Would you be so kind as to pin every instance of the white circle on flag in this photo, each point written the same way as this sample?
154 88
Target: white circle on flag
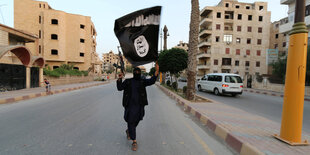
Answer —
142 46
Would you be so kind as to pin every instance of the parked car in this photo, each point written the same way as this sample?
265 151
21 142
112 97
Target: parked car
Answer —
182 79
221 83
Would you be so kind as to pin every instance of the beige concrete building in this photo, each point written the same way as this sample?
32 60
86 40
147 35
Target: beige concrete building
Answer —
182 45
110 58
64 38
234 37
20 67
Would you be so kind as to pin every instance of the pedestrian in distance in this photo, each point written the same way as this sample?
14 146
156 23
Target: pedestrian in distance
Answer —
134 100
47 86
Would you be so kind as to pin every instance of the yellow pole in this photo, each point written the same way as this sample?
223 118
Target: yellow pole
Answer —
292 112
161 77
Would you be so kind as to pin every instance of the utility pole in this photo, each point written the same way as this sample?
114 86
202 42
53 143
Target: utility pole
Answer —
292 112
165 37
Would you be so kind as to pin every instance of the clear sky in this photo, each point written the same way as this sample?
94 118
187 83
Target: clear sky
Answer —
175 14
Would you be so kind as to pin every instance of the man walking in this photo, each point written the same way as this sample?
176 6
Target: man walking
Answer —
134 100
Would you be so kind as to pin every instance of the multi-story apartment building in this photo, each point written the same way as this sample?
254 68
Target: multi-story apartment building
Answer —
110 58
234 37
182 45
286 24
64 38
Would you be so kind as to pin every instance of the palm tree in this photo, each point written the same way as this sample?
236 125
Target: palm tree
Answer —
193 50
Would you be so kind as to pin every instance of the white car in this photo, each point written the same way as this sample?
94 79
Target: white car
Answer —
221 83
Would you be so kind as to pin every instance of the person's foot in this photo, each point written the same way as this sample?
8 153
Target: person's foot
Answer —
134 146
127 133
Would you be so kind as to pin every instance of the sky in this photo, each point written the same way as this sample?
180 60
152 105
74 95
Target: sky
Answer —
175 15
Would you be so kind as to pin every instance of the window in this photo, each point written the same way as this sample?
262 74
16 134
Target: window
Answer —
227 50
237 51
238 40
77 68
237 6
40 19
260 30
248 41
218 15
40 5
239 28
237 63
216 62
284 44
82 40
307 10
239 16
217 38
227 5
259 41
249 29
258 52
247 63
81 54
218 26
275 46
261 7
54 37
54 21
250 17
54 52
248 52
260 18
39 33
257 64
227 38
82 26
39 49
284 34
55 67
277 36
247 7
226 62
43 5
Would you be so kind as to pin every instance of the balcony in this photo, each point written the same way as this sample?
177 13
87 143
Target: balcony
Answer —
205 21
206 54
204 66
205 32
287 1
204 44
205 12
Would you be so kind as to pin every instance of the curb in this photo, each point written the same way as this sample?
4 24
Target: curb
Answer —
269 93
220 131
35 95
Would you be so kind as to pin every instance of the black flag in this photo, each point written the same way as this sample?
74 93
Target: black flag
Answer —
137 33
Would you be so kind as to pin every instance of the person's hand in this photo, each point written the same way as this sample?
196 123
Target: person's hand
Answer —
120 75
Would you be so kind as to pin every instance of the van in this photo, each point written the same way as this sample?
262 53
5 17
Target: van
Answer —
221 83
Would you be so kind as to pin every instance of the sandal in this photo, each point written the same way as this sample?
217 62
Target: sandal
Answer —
134 146
127 133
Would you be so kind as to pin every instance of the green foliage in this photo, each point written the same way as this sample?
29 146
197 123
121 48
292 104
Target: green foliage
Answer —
184 89
175 85
63 70
279 69
168 83
173 60
152 71
129 69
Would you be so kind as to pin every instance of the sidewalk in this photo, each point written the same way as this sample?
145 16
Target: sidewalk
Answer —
24 94
268 92
246 133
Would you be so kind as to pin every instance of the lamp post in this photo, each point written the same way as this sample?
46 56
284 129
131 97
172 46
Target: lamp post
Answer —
292 112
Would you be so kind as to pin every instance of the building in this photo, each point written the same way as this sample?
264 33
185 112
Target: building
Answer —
182 45
64 38
110 58
234 37
20 67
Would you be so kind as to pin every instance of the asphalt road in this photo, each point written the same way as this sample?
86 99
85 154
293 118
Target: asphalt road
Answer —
264 105
90 122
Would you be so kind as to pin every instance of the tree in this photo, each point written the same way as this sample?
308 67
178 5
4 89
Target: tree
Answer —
152 71
173 61
193 50
279 69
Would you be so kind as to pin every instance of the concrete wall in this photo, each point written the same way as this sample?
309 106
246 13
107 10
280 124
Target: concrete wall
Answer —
68 79
266 85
